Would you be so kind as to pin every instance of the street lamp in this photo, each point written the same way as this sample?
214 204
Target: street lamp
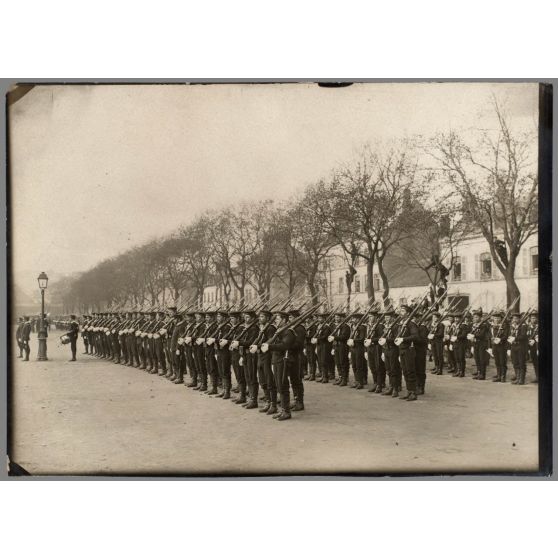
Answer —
42 337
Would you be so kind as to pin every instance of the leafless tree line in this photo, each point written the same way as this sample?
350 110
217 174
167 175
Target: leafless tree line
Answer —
420 197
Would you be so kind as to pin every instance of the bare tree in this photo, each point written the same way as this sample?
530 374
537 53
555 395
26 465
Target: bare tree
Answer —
498 183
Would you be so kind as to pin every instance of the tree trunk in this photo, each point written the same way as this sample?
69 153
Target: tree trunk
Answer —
385 281
312 289
370 280
512 291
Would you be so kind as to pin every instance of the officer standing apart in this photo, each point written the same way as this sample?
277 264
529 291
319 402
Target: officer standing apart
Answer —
73 335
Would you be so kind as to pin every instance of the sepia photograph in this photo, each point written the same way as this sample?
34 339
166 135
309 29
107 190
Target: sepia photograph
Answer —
279 279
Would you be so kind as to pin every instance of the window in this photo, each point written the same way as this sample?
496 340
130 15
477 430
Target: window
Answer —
340 285
486 266
457 269
534 259
357 283
376 281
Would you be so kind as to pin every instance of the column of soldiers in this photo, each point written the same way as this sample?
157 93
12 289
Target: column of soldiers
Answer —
270 351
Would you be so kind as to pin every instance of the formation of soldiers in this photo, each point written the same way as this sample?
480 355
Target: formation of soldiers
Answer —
272 348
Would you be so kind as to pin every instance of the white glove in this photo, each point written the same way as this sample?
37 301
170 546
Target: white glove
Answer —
333 351
188 340
450 347
304 351
446 337
366 357
241 361
107 333
234 344
398 341
210 340
314 340
382 341
138 333
199 340
531 342
150 336
350 342
496 340
144 335
429 347
177 352
511 339
180 341
156 336
470 336
331 338
162 331
431 336
253 349
383 357
222 343
121 333
537 338
508 352
453 338
264 347
367 342
490 352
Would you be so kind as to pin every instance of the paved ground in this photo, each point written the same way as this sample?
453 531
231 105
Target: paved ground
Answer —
92 416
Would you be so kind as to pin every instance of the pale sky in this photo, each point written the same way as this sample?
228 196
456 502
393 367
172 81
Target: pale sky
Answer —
99 169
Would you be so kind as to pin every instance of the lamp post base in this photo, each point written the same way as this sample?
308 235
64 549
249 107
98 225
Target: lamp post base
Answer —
42 355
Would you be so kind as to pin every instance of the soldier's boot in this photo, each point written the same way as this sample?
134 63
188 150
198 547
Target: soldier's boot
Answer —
285 406
272 409
388 391
226 388
420 389
412 396
498 377
265 408
179 378
265 396
373 388
503 376
396 389
337 381
325 378
521 381
252 403
299 404
241 399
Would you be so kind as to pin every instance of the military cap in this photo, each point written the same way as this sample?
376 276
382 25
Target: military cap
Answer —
282 313
172 308
25 317
357 315
498 314
534 313
250 312
235 314
516 315
265 312
406 307
455 314
437 314
477 312
209 313
341 314
374 312
294 312
223 312
389 312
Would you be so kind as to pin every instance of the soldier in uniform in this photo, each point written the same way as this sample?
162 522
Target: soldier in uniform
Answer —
421 345
297 384
391 353
223 354
533 343
339 337
237 330
407 335
73 335
436 343
265 373
285 363
448 345
498 336
248 360
374 352
324 347
479 337
18 336
518 346
26 336
310 349
355 343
